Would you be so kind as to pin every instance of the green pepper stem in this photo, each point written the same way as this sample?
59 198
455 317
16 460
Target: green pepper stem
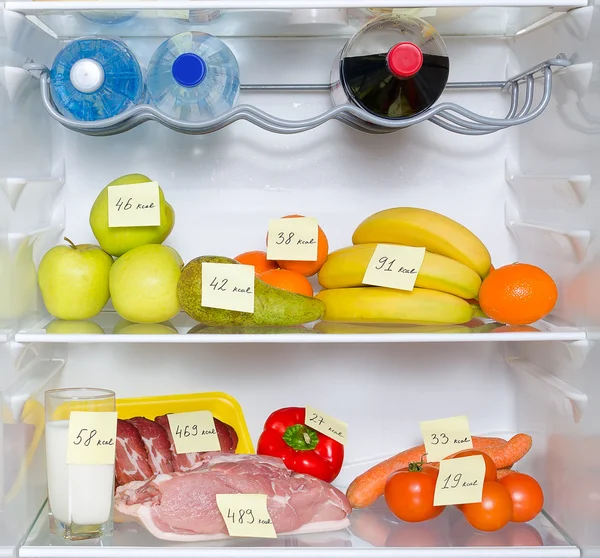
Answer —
301 437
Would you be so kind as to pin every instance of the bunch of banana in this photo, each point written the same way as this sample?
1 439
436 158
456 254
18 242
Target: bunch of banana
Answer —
455 263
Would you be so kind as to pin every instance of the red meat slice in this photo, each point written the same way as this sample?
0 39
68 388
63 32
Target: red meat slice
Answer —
157 442
131 463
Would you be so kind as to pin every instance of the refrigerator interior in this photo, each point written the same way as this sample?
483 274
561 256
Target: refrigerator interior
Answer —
528 192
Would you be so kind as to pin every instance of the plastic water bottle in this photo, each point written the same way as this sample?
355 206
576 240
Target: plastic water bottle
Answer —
94 78
193 77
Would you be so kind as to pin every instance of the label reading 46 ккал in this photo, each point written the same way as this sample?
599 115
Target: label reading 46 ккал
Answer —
246 515
228 286
92 438
134 205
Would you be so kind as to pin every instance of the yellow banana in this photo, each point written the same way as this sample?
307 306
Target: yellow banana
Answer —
382 305
421 227
346 268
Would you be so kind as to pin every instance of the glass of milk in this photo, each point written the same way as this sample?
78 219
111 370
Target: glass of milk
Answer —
80 496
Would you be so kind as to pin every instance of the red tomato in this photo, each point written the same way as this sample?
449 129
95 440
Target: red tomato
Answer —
491 473
409 493
526 495
493 512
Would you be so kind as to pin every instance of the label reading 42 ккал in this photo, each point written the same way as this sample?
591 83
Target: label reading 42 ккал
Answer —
460 481
443 437
293 239
326 424
246 515
92 438
228 286
194 431
395 267
134 205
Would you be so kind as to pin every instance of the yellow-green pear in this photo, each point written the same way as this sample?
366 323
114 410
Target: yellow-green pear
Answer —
118 240
74 280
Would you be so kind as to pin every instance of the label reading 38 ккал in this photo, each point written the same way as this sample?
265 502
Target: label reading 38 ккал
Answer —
293 239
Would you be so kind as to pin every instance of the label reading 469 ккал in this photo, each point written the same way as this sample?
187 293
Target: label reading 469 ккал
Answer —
193 432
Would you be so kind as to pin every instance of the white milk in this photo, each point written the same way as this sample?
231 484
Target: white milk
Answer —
79 494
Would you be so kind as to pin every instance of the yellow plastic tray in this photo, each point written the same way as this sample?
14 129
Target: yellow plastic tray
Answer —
221 405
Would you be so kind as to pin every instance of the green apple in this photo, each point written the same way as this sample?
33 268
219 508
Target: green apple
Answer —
125 327
143 284
73 326
118 240
74 280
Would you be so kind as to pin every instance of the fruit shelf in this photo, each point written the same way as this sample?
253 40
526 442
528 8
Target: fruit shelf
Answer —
108 327
449 116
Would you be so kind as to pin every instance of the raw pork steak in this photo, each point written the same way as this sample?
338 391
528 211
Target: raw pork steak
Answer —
183 506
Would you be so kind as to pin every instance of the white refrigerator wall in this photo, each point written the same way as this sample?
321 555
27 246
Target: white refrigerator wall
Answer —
226 185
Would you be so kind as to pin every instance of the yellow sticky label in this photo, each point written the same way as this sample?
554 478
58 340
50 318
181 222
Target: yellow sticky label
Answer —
394 266
228 286
246 515
460 481
92 438
293 239
134 205
326 424
194 431
443 437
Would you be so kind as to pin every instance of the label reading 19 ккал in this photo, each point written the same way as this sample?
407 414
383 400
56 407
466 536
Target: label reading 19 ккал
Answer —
395 267
134 205
326 424
228 286
92 438
293 239
246 515
460 481
443 437
194 431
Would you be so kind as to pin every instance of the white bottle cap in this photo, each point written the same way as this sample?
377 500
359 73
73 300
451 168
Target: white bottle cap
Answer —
87 75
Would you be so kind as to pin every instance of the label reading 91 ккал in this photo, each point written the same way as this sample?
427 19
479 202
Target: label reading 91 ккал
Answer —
228 286
134 205
326 424
395 267
460 481
443 437
246 515
194 431
92 438
293 239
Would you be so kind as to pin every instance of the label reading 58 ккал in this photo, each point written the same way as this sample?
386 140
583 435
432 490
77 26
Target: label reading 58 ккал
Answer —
134 205
443 437
246 515
228 286
326 424
293 239
395 267
92 438
194 431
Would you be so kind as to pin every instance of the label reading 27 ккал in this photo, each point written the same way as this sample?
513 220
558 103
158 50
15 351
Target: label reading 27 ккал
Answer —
228 286
194 431
293 239
444 437
460 481
246 515
134 205
92 438
326 424
395 267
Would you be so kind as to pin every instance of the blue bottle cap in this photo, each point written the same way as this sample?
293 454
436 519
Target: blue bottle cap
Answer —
188 69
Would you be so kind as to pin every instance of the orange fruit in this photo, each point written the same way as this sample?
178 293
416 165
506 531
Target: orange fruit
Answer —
288 281
518 294
308 268
258 259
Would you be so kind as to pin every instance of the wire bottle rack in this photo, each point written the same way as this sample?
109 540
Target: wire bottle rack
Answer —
450 116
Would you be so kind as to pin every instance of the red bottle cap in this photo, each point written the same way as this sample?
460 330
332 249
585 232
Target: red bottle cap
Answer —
405 59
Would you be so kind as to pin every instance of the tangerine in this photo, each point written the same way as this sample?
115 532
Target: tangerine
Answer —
307 269
288 281
258 259
518 294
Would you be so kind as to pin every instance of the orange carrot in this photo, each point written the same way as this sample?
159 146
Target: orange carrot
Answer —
504 472
508 454
369 486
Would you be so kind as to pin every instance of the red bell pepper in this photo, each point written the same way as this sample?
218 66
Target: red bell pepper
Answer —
301 448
